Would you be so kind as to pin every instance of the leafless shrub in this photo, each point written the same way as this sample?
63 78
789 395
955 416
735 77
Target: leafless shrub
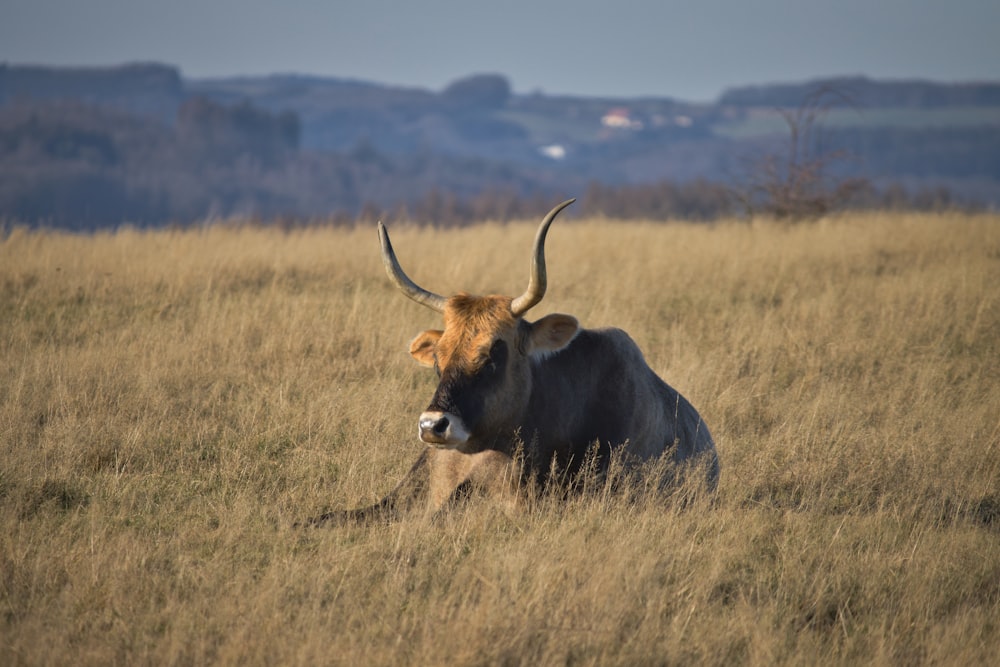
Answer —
797 184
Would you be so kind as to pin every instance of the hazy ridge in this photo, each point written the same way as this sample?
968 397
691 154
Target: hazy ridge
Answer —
140 143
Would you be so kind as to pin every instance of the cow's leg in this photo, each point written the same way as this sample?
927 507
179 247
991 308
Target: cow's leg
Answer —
410 490
439 476
490 471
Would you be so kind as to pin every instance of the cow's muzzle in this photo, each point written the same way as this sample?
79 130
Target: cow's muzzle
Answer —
442 429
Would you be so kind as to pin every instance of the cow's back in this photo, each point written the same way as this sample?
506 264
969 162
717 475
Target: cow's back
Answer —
600 389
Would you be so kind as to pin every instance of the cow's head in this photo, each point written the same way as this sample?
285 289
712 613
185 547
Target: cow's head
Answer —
484 353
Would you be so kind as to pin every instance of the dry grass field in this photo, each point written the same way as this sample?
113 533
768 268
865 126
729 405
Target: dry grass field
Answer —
172 402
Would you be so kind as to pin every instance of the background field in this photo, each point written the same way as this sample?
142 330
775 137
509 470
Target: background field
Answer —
171 402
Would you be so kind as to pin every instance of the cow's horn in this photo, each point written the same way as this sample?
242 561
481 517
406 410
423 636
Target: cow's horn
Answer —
401 280
537 281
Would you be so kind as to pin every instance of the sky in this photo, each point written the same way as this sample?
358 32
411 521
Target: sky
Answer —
618 48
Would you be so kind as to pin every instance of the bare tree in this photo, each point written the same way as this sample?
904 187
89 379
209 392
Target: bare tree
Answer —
796 184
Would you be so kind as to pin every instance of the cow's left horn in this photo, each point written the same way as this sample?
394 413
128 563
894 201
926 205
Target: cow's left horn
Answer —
401 280
537 281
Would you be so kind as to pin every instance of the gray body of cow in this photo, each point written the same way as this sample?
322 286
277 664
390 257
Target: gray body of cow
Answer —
599 391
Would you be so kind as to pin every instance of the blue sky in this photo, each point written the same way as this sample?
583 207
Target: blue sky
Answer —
689 50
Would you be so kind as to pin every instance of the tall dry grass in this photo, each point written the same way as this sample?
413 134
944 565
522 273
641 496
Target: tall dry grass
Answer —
171 402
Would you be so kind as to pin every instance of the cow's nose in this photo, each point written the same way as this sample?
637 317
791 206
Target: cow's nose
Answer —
442 428
436 426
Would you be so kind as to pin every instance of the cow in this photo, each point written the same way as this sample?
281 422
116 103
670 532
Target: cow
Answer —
528 402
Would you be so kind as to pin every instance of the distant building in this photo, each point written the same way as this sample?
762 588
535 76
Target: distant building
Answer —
553 151
620 118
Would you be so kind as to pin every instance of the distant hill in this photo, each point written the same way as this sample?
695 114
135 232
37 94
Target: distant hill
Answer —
145 89
868 93
92 146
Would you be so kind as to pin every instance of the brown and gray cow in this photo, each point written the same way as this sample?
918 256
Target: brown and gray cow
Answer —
520 400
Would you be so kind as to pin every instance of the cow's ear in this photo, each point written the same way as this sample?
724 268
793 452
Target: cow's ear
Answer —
552 333
422 347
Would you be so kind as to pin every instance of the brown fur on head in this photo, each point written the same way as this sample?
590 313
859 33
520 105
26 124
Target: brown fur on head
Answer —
473 323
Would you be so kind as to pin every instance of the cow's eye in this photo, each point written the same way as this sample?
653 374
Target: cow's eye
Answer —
437 369
486 364
498 354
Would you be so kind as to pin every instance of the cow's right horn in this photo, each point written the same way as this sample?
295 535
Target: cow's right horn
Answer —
401 280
